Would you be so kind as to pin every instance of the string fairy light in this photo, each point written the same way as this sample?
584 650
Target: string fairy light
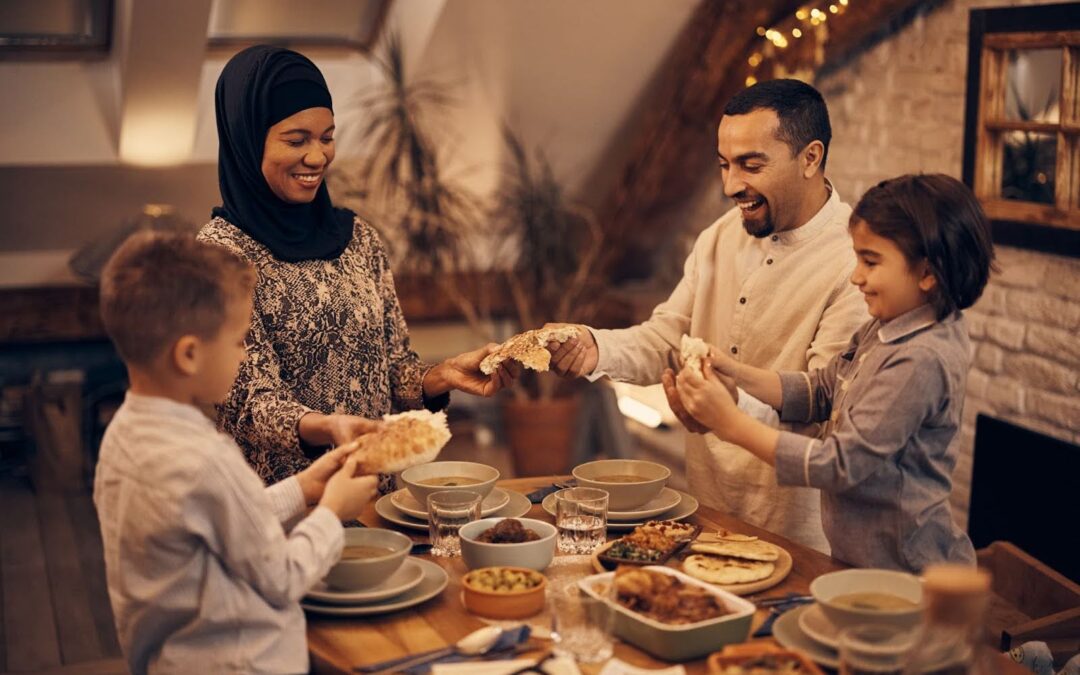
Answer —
810 21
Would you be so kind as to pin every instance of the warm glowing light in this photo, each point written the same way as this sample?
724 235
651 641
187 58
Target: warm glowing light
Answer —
801 15
815 12
761 31
843 3
834 9
1041 178
751 80
755 59
639 412
795 32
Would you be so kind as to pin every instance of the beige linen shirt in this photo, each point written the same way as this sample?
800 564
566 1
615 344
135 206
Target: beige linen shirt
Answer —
202 574
784 303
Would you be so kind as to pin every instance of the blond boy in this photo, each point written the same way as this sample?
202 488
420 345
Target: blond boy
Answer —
203 569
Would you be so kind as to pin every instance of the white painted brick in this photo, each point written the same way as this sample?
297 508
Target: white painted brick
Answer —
1006 332
976 323
1040 307
1020 271
1062 411
1043 372
1063 278
1006 395
989 358
992 301
978 383
1040 426
1054 343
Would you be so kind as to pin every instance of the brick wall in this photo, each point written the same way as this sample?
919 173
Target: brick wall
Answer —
898 108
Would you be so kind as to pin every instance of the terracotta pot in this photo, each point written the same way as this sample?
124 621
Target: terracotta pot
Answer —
541 434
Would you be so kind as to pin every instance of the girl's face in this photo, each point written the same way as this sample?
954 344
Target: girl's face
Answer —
297 153
889 284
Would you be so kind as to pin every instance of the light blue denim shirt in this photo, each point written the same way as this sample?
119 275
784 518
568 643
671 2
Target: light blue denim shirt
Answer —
891 404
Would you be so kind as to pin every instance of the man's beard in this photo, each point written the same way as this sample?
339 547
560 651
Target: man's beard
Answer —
760 227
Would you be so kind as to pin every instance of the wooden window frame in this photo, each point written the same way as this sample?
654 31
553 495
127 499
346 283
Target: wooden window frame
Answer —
992 33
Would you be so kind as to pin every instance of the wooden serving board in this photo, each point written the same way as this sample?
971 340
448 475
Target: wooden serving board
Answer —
783 565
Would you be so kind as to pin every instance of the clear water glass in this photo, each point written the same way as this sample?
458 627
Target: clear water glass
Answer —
581 625
448 510
871 649
581 519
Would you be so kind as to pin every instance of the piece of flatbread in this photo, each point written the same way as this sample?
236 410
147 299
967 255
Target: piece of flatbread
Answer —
529 348
693 351
724 570
747 550
402 440
724 535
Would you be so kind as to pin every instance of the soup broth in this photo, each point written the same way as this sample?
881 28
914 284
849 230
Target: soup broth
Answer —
621 478
873 601
449 481
362 552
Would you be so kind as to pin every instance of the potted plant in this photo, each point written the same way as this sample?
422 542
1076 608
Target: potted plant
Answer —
552 246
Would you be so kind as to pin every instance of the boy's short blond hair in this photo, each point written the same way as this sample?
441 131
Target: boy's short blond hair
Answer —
158 287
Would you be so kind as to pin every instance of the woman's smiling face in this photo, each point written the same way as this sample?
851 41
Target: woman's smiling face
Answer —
297 152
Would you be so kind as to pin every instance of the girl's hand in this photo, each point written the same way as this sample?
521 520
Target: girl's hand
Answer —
347 494
707 397
722 362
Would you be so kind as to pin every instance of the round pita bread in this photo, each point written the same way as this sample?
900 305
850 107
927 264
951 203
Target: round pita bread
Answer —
747 550
402 440
723 570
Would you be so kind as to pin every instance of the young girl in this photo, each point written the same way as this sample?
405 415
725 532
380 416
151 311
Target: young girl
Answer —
891 401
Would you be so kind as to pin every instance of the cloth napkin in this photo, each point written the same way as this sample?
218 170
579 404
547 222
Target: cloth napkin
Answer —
537 495
794 600
502 649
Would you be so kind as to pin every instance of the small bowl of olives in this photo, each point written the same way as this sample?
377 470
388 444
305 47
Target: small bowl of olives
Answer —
504 592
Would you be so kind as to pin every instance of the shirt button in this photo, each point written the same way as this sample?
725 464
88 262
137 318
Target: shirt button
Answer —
734 350
742 301
776 237
768 261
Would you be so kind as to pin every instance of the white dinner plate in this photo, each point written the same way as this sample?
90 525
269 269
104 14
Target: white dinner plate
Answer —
687 506
405 578
817 626
665 501
407 504
517 506
787 632
433 582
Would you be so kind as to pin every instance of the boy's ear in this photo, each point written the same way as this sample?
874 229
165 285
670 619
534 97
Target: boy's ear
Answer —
927 280
811 158
186 354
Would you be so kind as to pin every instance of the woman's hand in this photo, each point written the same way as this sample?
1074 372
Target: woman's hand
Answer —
707 397
347 494
463 373
317 429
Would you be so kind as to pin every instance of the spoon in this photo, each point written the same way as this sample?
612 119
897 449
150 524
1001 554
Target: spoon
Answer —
474 644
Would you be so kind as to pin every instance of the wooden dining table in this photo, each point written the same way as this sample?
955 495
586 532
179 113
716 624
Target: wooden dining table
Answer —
337 645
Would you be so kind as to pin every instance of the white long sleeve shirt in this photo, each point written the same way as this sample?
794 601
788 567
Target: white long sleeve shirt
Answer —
784 303
202 574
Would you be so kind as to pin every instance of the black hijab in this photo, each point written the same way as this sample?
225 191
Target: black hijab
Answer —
258 88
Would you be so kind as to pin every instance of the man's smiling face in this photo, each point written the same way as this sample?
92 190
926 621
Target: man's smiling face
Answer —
760 172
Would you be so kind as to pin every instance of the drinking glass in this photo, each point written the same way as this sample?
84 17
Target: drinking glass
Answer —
581 625
581 519
448 510
872 649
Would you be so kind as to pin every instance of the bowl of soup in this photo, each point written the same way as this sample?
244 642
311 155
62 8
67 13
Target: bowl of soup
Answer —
423 479
630 483
861 596
369 557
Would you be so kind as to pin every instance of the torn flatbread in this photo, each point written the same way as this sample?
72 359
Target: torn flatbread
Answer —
693 351
401 441
528 348
747 550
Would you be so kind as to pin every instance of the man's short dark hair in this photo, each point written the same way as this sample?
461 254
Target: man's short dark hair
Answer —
804 118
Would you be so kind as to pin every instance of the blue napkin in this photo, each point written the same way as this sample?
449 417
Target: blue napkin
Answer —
537 495
504 648
794 600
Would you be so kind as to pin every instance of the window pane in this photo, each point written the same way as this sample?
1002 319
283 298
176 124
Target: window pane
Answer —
1033 85
1027 170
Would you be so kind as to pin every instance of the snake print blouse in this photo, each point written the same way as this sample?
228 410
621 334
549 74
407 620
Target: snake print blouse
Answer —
326 336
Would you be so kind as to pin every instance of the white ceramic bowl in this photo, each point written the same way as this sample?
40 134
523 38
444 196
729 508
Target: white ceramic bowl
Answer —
534 555
829 586
624 496
678 642
360 573
414 478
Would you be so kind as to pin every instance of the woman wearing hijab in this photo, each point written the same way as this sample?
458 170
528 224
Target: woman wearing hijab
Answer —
328 347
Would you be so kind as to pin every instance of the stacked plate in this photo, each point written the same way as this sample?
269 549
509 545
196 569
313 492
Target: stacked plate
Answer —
670 504
401 508
414 582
